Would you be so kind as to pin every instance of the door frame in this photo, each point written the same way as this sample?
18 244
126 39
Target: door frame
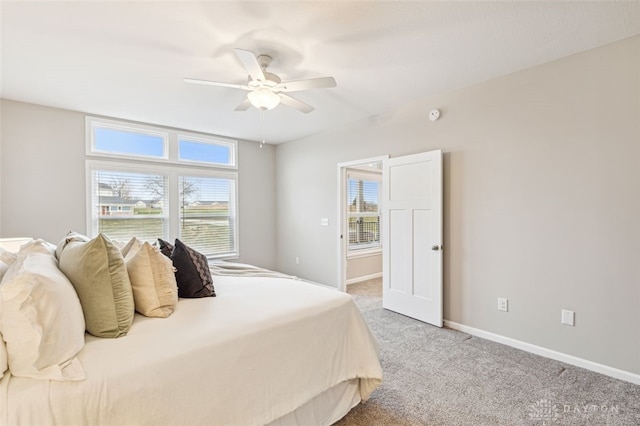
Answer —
342 216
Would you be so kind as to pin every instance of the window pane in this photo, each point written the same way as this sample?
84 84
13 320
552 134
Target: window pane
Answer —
130 204
207 214
117 141
363 214
204 152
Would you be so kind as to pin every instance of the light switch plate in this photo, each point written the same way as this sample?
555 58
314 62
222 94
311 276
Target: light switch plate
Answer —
568 317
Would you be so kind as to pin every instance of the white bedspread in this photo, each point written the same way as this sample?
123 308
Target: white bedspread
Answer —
257 351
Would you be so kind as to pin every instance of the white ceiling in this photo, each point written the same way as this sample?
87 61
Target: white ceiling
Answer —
128 59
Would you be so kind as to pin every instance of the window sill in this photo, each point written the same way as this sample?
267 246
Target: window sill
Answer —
364 253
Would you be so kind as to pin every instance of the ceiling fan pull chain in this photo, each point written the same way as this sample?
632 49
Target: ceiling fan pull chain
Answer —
261 128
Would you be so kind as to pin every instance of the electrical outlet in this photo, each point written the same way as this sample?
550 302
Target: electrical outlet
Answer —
503 304
297 260
568 317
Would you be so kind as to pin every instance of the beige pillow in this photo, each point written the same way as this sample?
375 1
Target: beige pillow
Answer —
41 320
97 271
153 281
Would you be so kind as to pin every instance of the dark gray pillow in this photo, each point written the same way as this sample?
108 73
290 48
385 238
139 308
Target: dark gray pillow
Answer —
165 247
192 272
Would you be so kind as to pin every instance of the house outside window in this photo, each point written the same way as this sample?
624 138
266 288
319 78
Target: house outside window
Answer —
156 186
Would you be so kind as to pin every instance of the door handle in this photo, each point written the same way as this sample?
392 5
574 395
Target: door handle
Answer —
435 248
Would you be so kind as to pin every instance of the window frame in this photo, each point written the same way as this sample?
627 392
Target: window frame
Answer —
171 139
171 166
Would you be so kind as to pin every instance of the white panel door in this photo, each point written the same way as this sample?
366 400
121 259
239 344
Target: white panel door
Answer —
412 236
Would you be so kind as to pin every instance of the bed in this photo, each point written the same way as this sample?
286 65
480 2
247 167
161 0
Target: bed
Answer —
267 350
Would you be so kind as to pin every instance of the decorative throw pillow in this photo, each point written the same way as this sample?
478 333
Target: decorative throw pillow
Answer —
166 247
153 281
41 320
97 271
192 272
71 236
133 243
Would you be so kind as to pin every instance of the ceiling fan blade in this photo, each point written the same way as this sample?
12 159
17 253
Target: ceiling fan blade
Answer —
312 83
244 105
216 83
294 103
251 64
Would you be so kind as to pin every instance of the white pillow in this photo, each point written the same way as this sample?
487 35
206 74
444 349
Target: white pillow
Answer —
7 256
3 268
6 259
38 246
41 319
153 281
13 244
3 357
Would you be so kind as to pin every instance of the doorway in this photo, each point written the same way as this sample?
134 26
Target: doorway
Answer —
410 231
359 219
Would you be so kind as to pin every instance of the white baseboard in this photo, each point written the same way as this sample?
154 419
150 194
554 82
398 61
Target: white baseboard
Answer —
364 278
547 353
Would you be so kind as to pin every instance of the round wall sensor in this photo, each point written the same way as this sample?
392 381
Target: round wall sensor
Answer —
434 114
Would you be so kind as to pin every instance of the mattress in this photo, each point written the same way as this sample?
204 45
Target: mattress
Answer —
253 355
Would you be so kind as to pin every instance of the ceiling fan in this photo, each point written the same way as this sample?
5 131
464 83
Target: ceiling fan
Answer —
266 90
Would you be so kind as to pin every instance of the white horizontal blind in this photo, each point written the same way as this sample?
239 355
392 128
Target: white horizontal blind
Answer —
208 214
363 210
127 204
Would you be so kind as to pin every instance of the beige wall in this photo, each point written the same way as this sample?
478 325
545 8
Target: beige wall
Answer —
42 180
542 200
364 267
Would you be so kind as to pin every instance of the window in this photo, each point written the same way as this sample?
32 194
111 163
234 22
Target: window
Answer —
202 151
114 139
363 211
207 216
127 204
144 190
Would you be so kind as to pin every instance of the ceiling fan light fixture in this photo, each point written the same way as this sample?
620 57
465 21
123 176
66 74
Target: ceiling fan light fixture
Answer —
263 99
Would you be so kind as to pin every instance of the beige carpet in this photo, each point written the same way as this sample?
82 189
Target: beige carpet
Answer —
436 376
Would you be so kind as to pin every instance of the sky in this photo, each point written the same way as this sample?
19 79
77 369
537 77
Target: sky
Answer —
123 142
